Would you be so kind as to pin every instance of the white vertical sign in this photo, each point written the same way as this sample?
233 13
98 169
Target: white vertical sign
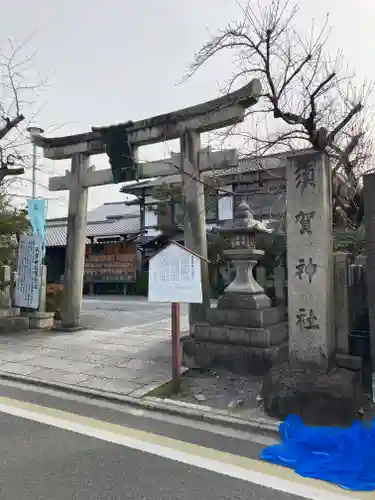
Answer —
28 272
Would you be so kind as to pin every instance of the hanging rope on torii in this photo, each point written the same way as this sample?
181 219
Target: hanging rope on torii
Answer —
121 142
120 152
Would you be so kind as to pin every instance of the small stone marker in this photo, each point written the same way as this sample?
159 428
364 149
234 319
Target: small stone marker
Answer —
310 265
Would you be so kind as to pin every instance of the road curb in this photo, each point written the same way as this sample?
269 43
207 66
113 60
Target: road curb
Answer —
170 407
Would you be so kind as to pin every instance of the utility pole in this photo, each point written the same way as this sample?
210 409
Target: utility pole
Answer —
34 132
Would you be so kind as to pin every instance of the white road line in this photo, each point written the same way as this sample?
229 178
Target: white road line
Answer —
226 469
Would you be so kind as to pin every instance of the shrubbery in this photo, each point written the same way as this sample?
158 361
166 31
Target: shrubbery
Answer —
54 298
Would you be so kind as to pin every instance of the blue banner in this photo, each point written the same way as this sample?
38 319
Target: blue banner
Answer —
37 214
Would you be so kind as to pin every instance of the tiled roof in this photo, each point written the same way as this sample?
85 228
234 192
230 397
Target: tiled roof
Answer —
110 219
56 234
108 210
127 225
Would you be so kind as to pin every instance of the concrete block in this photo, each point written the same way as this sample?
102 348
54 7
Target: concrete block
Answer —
349 362
14 324
10 311
41 320
5 301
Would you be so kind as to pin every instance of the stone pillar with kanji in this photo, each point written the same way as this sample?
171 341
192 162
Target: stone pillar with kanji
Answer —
310 260
311 384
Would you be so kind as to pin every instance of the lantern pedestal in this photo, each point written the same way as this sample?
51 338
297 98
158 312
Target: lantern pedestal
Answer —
244 334
244 292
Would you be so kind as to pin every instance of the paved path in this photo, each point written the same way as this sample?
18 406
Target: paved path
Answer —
115 313
63 448
126 349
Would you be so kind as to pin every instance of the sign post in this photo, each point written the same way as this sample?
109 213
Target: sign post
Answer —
176 362
175 276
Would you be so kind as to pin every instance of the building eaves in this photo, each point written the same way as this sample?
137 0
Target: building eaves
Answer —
56 234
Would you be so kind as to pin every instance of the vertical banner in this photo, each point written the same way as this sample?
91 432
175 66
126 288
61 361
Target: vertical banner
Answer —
36 210
28 272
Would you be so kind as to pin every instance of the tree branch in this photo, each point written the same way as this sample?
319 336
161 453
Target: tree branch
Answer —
356 109
309 92
5 171
10 124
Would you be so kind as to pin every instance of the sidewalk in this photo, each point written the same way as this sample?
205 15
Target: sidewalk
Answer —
129 361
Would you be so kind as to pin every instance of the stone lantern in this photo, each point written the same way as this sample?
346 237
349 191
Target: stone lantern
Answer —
244 292
244 333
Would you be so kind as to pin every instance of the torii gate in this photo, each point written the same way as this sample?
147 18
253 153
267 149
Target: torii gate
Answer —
186 124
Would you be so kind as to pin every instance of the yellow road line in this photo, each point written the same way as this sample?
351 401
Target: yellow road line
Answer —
68 421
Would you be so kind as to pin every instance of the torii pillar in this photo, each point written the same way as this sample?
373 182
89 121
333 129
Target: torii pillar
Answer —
76 241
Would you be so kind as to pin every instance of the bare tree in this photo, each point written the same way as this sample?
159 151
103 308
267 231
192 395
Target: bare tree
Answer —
19 87
309 96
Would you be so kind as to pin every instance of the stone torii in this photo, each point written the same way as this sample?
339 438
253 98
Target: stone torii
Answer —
185 124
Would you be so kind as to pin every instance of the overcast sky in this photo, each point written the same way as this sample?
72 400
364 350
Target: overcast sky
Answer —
118 60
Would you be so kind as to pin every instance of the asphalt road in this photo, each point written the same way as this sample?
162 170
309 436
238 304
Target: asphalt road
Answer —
56 447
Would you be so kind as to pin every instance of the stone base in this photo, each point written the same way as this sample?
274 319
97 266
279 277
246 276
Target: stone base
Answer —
41 320
14 324
252 337
236 358
59 327
9 312
331 399
237 300
257 318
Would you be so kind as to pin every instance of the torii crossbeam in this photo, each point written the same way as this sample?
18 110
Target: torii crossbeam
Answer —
186 124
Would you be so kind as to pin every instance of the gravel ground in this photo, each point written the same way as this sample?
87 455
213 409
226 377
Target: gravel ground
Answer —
221 389
241 395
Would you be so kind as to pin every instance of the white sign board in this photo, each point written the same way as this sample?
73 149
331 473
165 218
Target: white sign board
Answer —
28 272
175 276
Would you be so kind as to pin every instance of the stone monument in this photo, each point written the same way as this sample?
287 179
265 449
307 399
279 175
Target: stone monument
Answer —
244 333
310 384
